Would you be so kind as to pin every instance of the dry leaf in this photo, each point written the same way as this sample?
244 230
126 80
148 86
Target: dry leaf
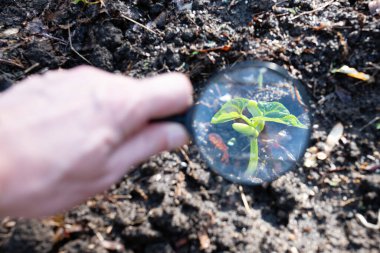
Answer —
352 73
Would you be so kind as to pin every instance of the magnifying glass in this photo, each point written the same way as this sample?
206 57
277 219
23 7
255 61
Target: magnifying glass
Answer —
251 123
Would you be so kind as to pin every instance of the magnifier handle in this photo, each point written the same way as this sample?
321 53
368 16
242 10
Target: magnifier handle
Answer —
184 118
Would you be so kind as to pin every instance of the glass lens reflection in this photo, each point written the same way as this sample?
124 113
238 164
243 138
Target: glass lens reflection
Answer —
279 145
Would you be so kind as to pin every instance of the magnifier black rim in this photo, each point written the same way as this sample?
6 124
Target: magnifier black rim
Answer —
282 72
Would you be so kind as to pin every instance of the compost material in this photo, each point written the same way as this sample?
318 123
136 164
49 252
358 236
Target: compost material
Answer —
173 202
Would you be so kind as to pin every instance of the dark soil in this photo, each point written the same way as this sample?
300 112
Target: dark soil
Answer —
173 203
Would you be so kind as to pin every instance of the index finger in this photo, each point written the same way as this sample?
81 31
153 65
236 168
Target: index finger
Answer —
165 95
141 101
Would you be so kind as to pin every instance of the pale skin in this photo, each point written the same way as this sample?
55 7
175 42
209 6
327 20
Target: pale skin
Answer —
70 134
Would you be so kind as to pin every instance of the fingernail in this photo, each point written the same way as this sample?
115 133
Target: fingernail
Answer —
177 136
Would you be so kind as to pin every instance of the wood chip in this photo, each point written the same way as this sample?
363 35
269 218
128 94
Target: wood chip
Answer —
109 245
9 32
334 136
204 241
244 199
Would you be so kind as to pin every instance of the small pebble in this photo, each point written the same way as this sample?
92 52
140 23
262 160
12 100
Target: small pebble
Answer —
313 150
310 160
292 237
321 156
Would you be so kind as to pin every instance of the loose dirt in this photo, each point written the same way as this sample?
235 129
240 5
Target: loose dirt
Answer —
173 202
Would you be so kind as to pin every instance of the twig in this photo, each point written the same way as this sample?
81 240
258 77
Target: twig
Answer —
366 224
224 48
74 50
244 199
52 37
370 123
312 11
35 65
375 65
233 2
348 202
99 236
139 24
12 63
187 158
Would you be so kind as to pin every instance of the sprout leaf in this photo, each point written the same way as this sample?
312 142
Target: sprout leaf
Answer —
289 120
273 109
254 109
277 112
231 110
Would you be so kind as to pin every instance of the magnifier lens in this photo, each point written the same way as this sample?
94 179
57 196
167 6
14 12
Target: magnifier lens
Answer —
252 123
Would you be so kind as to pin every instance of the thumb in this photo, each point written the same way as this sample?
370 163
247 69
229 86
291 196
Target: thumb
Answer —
165 95
149 98
151 140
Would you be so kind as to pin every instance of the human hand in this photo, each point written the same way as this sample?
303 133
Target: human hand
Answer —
70 134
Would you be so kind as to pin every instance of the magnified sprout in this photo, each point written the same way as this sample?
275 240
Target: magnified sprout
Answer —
252 123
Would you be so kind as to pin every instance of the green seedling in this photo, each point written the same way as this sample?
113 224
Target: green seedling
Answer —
261 112
260 78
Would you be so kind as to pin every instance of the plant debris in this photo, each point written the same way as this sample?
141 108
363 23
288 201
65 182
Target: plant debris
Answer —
352 73
204 241
334 136
366 224
296 213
